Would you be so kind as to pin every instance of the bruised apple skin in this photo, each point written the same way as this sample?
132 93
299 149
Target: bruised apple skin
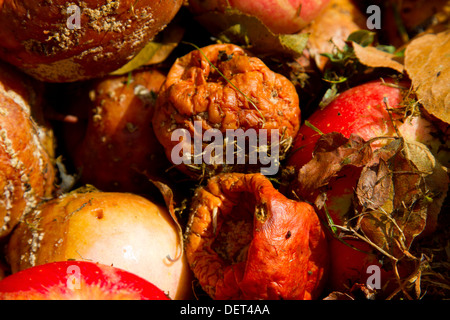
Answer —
118 149
119 229
27 174
77 280
243 95
245 240
280 16
41 37
363 110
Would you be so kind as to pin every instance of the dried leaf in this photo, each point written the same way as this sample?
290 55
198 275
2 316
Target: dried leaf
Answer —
332 27
372 57
336 295
400 194
168 196
155 51
427 62
333 151
233 26
374 186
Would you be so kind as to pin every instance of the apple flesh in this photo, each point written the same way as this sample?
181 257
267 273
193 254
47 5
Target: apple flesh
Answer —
280 16
77 280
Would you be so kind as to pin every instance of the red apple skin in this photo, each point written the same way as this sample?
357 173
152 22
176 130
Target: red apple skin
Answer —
77 280
349 265
358 110
362 110
280 16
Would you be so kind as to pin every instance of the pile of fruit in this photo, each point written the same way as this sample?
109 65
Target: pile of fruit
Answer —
224 150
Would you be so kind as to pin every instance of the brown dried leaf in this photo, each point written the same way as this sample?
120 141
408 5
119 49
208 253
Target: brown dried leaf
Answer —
400 194
427 62
168 196
332 28
374 185
372 57
336 295
333 151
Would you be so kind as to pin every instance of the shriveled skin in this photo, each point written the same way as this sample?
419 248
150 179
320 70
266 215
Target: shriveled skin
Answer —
286 256
35 35
195 91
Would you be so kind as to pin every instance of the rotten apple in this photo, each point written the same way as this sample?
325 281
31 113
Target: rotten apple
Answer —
376 110
60 41
77 280
280 16
245 240
355 263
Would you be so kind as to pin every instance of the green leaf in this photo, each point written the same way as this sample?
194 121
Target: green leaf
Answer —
155 51
140 59
362 37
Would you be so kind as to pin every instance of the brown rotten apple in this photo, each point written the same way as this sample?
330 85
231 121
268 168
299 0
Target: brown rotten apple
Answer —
77 280
43 38
119 229
117 149
245 240
27 174
220 88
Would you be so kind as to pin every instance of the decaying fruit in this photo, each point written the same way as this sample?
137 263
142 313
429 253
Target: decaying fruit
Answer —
119 229
279 16
27 174
118 149
245 240
353 263
62 41
77 280
331 29
222 88
372 110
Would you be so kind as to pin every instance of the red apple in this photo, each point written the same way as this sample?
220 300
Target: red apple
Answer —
280 16
77 280
124 230
363 110
355 262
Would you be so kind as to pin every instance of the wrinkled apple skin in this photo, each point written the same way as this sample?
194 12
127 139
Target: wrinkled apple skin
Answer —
77 280
280 16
